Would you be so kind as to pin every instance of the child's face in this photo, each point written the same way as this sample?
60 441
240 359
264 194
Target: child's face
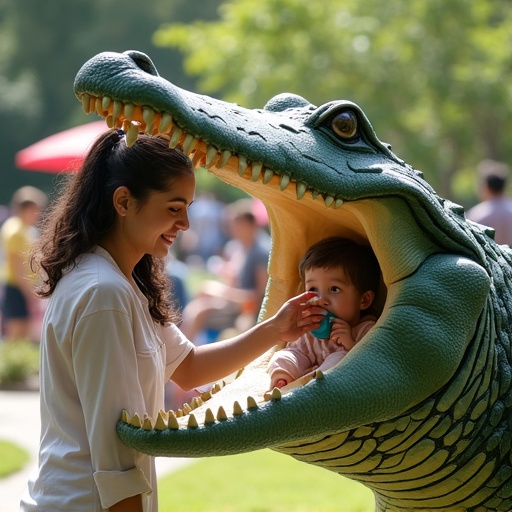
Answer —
337 293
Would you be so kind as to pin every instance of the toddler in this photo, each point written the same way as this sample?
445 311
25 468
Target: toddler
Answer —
345 275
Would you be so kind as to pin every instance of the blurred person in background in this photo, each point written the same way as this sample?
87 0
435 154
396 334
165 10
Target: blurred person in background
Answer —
205 237
235 298
21 309
495 208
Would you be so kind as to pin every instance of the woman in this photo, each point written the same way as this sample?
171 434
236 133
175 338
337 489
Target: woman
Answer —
109 342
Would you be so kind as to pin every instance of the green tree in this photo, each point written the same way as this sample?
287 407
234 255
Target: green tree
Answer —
435 78
43 45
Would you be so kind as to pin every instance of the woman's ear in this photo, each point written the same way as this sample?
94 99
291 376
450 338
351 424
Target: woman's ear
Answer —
121 199
367 299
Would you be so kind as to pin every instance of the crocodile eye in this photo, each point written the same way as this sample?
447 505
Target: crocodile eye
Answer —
344 124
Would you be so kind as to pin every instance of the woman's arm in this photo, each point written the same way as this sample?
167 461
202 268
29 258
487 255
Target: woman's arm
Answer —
131 504
208 363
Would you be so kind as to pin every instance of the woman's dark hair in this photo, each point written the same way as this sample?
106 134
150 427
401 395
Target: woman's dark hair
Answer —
85 213
358 261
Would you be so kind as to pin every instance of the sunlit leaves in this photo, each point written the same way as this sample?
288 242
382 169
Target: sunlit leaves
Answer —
434 77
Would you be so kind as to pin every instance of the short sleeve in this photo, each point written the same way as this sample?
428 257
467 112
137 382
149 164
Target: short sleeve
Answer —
115 486
178 346
362 329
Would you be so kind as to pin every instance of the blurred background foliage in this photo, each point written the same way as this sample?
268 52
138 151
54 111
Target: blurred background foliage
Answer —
44 44
434 78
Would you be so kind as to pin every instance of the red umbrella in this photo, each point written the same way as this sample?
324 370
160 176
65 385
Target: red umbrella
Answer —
63 151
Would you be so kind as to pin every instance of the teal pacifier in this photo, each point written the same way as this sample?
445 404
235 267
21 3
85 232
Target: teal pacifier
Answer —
324 331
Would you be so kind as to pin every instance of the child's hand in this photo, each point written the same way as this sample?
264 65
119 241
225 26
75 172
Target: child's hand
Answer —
341 334
279 383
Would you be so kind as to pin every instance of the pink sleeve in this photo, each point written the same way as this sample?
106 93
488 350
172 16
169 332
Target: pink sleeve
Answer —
362 329
293 359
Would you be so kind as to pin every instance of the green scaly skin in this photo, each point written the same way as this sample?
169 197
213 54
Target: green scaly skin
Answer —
419 411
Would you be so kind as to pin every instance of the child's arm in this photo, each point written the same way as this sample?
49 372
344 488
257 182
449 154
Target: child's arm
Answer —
290 363
211 362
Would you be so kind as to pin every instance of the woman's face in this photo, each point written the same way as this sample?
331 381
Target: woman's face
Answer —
152 227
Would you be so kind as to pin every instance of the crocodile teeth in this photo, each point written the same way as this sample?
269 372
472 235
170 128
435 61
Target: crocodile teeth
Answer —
135 119
173 422
206 396
165 123
256 170
242 165
251 403
148 114
131 134
186 409
285 181
136 421
267 176
216 388
209 418
160 423
301 189
175 137
226 155
319 375
98 107
221 414
237 409
192 421
86 103
146 424
125 416
276 394
196 402
129 109
117 110
105 103
189 144
328 200
211 153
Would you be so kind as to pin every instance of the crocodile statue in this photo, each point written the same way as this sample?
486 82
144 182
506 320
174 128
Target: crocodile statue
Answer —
420 410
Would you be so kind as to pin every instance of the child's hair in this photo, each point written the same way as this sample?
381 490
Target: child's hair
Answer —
357 260
85 212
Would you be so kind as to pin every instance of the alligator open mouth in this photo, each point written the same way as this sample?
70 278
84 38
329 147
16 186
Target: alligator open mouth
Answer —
320 172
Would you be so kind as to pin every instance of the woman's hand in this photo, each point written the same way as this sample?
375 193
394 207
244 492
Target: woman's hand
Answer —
296 317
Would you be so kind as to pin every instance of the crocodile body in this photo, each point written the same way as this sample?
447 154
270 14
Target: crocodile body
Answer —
420 410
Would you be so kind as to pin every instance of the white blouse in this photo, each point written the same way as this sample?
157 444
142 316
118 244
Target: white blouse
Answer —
101 352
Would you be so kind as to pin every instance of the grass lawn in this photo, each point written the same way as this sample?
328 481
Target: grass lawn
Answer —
12 458
262 481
